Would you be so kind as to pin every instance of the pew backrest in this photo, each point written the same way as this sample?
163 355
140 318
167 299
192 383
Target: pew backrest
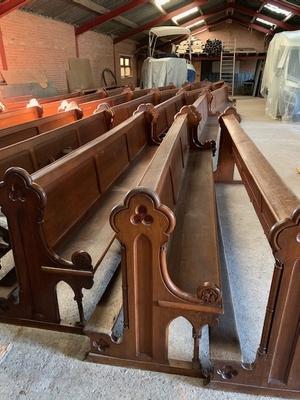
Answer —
20 116
29 129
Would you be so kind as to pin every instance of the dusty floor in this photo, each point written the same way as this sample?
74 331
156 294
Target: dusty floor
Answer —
48 365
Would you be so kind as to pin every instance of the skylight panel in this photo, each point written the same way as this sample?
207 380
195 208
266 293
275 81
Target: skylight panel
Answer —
195 24
263 21
185 14
161 2
277 10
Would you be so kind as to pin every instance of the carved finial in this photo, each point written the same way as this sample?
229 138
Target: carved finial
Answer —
182 90
104 107
82 259
284 227
209 293
194 117
227 372
149 109
230 111
19 188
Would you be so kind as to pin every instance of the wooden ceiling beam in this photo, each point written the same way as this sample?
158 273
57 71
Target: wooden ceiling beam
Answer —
252 13
11 5
159 20
109 15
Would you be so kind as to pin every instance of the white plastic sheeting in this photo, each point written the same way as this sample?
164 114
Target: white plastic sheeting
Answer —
163 71
281 78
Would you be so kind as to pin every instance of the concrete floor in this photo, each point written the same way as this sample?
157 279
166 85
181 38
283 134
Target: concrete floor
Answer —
48 365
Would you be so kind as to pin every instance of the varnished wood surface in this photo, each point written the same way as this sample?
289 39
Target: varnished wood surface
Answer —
281 201
194 248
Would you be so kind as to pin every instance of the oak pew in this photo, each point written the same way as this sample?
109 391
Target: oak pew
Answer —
219 99
276 369
55 106
136 135
29 129
40 150
162 215
19 116
22 103
80 188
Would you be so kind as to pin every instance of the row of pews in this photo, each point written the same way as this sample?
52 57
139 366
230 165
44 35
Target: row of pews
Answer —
119 204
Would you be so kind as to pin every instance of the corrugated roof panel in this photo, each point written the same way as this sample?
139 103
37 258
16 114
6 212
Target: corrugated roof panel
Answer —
61 10
143 14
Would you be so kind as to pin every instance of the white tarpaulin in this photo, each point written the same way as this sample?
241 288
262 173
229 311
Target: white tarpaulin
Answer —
281 79
163 71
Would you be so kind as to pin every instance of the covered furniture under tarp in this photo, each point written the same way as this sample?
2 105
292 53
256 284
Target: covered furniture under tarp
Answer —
163 71
281 79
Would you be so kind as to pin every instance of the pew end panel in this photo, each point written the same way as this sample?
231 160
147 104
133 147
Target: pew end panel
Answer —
23 203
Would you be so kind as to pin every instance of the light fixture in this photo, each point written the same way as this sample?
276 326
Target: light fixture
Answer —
161 2
263 21
195 24
185 14
277 10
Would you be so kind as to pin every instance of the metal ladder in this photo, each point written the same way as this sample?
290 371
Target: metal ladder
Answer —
227 64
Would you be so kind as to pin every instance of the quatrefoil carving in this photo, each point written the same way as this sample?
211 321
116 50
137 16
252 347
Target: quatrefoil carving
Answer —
141 216
16 193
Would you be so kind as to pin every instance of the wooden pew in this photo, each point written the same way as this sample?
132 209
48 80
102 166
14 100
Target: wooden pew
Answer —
29 129
219 99
133 137
168 269
80 187
20 116
53 107
276 370
21 103
40 150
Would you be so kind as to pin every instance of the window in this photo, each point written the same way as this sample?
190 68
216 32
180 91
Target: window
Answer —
126 68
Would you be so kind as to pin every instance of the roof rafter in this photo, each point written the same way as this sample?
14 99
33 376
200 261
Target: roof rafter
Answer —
212 13
11 5
108 16
256 27
159 20
91 6
252 13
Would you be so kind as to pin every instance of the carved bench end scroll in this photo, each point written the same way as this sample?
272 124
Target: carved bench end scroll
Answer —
151 115
230 111
194 118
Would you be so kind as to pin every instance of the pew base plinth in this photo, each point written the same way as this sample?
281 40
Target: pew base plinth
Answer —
250 381
176 367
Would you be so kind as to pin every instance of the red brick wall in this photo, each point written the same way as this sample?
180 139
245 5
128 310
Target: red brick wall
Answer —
35 42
